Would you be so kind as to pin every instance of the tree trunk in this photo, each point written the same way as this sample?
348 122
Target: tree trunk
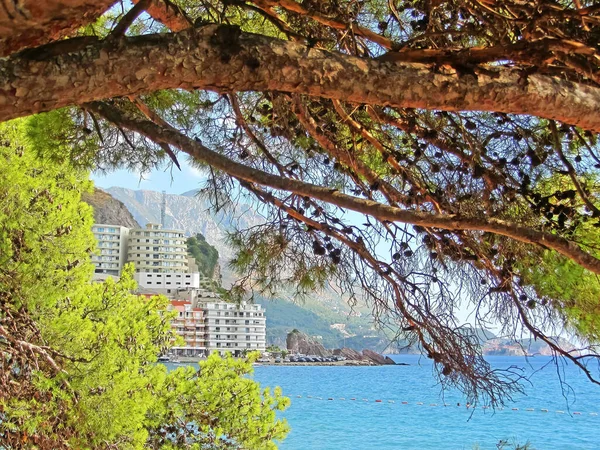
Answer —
30 23
223 59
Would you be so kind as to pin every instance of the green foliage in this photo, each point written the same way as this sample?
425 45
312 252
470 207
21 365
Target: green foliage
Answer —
205 255
227 409
78 359
275 263
573 291
56 136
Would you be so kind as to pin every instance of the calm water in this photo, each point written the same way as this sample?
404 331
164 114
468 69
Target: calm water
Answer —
346 424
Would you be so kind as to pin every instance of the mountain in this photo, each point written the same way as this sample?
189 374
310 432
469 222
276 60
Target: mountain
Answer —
511 347
108 209
283 317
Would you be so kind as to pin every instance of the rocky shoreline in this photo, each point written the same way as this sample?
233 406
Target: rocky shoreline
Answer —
299 343
347 363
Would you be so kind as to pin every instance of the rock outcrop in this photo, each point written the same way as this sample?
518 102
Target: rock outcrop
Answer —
349 353
377 358
298 342
109 210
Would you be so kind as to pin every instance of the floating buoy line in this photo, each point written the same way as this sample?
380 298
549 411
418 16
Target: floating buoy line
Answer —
445 405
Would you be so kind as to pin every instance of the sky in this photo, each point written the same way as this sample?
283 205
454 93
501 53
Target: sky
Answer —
168 179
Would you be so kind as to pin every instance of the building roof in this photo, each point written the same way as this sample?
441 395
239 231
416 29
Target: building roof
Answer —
179 302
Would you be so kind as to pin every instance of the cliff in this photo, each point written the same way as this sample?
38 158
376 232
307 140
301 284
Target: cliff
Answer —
109 210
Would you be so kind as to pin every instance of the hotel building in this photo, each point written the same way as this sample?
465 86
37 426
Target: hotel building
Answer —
154 250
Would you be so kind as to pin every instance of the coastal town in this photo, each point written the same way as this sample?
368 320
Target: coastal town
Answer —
163 267
203 321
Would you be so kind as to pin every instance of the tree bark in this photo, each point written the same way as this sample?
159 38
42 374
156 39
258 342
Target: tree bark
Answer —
30 23
368 207
222 58
168 13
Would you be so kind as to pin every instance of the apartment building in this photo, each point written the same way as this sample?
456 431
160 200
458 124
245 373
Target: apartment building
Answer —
162 266
190 325
207 324
234 328
111 250
162 263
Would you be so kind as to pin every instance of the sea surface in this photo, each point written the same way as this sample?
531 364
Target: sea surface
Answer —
342 423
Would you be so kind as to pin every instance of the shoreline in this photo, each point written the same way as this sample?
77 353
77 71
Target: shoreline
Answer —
345 363
329 363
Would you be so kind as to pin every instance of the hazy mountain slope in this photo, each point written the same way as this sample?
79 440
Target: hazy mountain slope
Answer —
283 317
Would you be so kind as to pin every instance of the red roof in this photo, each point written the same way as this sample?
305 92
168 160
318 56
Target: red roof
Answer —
179 303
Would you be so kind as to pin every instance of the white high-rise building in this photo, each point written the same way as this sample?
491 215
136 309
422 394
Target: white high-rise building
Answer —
155 250
234 328
111 252
161 260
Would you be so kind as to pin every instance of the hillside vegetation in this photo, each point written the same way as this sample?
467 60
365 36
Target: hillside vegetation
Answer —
205 255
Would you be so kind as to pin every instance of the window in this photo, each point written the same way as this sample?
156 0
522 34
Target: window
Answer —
168 282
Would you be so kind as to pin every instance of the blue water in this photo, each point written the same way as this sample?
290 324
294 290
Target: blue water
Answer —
346 424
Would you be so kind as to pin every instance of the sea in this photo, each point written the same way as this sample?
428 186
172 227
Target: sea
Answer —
417 418
402 407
